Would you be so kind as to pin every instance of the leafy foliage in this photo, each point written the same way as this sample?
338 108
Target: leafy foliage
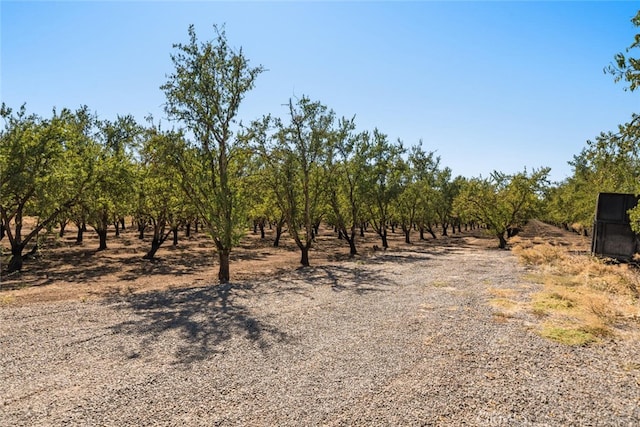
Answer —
382 182
295 156
346 168
418 179
503 202
160 201
627 67
40 171
111 194
204 93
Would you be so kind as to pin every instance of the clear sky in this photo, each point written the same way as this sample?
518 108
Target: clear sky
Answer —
486 85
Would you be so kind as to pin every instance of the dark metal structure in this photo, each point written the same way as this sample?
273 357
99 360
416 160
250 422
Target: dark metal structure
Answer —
612 234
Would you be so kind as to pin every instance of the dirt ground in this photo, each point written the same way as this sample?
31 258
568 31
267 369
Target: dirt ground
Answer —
409 336
63 270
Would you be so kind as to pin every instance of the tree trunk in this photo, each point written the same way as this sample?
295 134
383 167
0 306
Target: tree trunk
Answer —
361 230
433 234
223 273
503 241
141 227
174 230
122 224
352 245
407 231
444 229
187 231
116 224
63 225
304 260
350 238
383 236
421 233
102 234
80 235
155 245
2 230
261 225
15 263
276 241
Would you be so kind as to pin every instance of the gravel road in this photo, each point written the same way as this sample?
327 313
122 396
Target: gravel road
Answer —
402 339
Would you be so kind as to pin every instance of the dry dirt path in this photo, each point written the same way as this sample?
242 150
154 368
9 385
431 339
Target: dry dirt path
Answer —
405 338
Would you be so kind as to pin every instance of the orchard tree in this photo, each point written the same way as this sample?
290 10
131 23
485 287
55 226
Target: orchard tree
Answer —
296 155
446 191
503 202
417 181
112 191
346 167
426 216
42 171
381 184
613 159
262 180
204 93
260 184
160 199
405 206
609 163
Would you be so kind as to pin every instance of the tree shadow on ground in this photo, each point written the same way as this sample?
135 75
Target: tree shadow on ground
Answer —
349 277
398 256
176 263
42 270
198 320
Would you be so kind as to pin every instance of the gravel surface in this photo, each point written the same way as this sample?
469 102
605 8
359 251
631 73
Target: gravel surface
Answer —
404 338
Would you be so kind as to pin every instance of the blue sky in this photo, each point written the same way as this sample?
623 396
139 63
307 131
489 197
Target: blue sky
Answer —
487 85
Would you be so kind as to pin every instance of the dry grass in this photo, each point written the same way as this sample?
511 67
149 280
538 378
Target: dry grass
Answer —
584 299
535 252
440 284
504 305
6 299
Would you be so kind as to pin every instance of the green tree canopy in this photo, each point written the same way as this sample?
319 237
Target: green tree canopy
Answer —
42 170
161 201
626 67
346 168
204 93
502 201
382 182
296 155
111 194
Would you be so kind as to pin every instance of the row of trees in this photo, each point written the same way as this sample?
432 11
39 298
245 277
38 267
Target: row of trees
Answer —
306 167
